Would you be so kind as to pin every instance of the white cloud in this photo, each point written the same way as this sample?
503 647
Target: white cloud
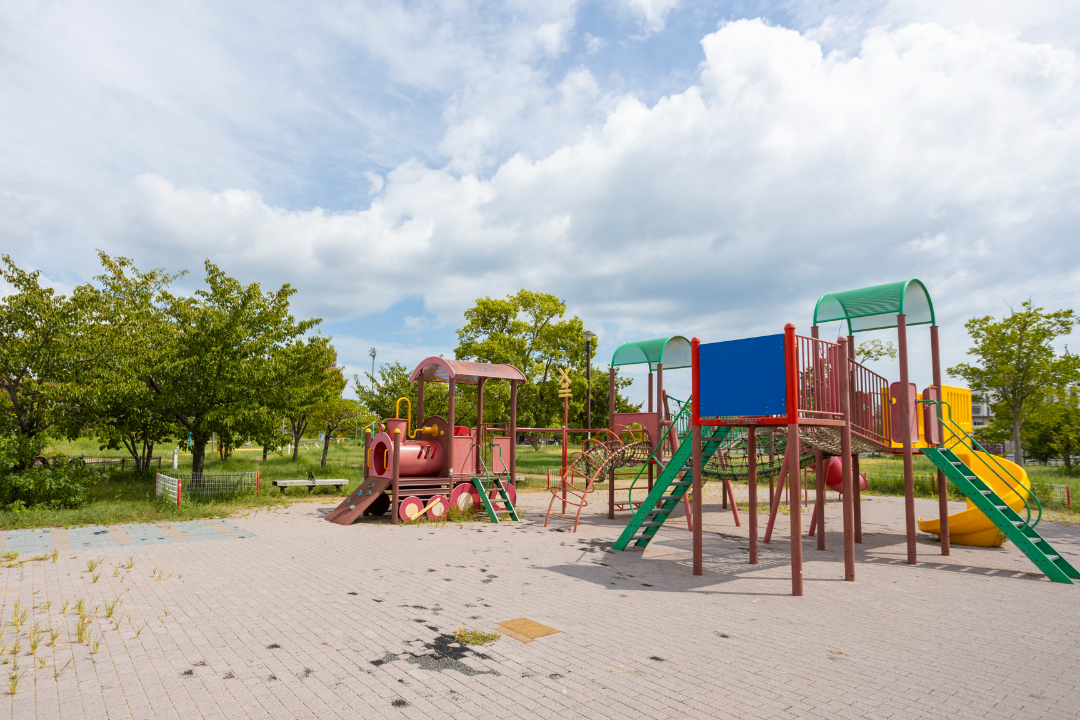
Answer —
651 14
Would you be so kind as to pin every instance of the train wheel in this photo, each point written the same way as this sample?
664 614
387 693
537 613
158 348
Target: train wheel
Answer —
439 508
462 498
410 508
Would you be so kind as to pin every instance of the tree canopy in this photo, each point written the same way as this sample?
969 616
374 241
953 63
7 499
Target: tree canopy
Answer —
1017 367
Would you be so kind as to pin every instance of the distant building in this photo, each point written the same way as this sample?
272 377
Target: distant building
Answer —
980 412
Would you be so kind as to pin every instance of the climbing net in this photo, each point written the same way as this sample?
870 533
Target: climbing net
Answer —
731 461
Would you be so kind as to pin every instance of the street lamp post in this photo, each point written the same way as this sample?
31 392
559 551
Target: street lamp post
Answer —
589 335
371 352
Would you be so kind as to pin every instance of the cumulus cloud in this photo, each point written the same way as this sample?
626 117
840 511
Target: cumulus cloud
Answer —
782 173
791 164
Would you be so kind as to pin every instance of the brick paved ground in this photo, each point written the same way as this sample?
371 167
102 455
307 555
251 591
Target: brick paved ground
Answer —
304 618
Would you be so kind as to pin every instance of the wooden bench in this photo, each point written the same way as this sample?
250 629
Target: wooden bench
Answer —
310 483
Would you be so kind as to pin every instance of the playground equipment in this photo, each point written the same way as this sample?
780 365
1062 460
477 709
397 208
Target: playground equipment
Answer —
599 455
821 398
438 464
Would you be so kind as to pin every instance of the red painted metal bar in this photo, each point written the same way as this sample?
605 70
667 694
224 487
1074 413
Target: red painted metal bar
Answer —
611 422
395 475
795 513
845 460
695 405
695 434
943 487
513 431
819 494
774 501
751 477
856 496
905 435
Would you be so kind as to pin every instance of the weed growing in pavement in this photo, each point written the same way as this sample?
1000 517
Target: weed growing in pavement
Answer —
18 616
475 637
95 645
17 646
34 645
13 679
116 571
130 563
91 565
54 554
41 663
96 576
110 607
139 631
45 606
64 607
80 631
53 634
79 605
9 555
57 673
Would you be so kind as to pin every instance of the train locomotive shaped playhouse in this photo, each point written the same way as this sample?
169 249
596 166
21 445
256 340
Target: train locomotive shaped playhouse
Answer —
798 400
422 471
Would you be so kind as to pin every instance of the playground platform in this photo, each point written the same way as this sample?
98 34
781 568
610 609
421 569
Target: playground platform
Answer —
306 618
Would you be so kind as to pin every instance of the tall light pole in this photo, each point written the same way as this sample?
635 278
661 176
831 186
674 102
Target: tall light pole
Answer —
589 335
371 352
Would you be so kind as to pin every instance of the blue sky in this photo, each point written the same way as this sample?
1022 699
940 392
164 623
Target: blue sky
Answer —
665 166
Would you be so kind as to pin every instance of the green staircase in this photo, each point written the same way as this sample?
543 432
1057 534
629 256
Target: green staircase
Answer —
674 482
496 516
1020 530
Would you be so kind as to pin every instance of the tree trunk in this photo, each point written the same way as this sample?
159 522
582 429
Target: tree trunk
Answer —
325 447
198 454
264 452
1018 453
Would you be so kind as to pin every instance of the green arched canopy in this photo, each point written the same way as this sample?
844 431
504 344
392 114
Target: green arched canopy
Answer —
876 308
673 352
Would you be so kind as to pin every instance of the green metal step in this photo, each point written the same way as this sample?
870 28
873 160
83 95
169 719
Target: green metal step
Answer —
668 490
493 514
1016 528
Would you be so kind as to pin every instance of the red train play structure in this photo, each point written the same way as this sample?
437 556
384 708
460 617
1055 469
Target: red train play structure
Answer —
423 470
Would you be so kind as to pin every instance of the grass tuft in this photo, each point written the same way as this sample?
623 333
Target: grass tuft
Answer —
475 637
110 607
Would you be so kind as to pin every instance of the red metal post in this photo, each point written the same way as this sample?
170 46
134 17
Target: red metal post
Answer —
856 496
451 404
751 477
942 482
819 494
611 424
395 476
905 435
479 422
565 440
845 461
513 432
256 482
179 485
695 434
656 440
420 401
660 411
795 513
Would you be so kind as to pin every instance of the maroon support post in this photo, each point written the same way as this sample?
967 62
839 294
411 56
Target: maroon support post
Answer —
905 435
611 424
513 432
656 440
856 493
751 477
696 439
819 498
450 405
845 460
395 477
479 422
796 512
942 483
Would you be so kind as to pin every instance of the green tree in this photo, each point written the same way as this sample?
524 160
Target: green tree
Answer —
1053 430
1016 363
126 413
215 355
51 349
379 395
335 414
874 350
314 379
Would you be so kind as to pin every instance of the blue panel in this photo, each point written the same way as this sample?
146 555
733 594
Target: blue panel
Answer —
742 377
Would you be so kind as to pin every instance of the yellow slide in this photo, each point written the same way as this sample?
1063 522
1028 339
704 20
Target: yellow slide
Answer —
971 527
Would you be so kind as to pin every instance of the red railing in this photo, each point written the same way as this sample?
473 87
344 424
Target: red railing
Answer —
817 372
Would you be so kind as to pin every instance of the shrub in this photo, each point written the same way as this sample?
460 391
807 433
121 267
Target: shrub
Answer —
61 484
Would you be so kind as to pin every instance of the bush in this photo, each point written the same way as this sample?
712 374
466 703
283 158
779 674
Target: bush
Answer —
61 484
